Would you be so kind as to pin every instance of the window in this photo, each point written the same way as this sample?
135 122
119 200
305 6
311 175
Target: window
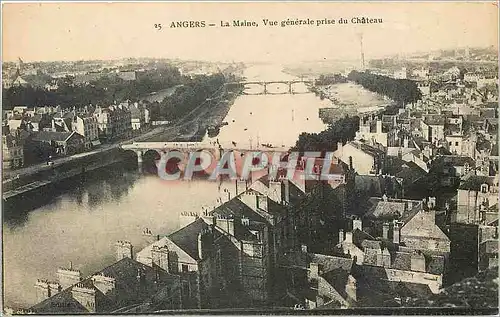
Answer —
185 268
484 188
456 143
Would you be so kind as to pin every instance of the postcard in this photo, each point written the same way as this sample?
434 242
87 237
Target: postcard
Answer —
250 157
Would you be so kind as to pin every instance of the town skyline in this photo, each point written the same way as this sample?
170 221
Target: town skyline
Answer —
96 31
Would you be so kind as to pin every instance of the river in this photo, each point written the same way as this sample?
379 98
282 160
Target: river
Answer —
80 220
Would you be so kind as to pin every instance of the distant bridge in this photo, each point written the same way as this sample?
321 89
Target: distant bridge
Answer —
217 149
289 83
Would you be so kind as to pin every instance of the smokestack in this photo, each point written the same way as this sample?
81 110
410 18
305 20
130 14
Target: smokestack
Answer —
385 230
361 50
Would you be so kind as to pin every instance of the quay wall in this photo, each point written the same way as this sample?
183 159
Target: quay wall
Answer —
61 171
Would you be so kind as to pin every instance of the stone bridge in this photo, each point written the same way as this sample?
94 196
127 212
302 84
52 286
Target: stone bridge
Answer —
289 83
215 148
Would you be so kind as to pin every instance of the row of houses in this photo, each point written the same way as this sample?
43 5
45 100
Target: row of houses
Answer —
247 252
67 131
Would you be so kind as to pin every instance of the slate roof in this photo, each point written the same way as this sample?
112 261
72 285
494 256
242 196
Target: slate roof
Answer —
359 237
456 160
402 261
128 289
51 136
434 120
186 237
474 182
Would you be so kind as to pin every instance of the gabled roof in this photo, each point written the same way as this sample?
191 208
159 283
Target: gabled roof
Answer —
128 289
53 136
474 182
186 237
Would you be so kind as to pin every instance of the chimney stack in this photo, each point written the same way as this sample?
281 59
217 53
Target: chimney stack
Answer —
104 283
417 262
396 239
241 186
379 126
304 248
68 277
385 230
313 270
159 257
275 192
200 246
123 250
357 224
341 235
85 296
262 202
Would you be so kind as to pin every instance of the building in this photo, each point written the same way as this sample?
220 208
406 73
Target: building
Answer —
318 281
228 255
138 116
86 125
63 143
413 250
114 122
371 131
12 150
476 199
432 127
363 158
126 286
401 73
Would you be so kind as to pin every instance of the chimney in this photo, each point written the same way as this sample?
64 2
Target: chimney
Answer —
275 192
380 258
68 277
42 290
379 126
417 262
186 218
54 288
226 224
241 186
304 248
431 203
262 202
341 236
409 205
396 233
385 230
159 257
245 221
200 245
104 283
351 288
340 148
286 196
348 237
85 296
249 199
313 270
386 256
123 250
357 224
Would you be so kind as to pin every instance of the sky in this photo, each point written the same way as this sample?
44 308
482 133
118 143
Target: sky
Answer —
76 31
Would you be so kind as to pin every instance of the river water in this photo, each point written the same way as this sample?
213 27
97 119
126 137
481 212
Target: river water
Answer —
80 220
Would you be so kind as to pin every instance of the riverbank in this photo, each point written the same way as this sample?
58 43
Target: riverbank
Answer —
62 170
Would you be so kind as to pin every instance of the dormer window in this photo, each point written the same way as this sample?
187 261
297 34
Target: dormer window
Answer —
484 188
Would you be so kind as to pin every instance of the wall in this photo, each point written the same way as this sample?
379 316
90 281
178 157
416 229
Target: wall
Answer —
362 162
